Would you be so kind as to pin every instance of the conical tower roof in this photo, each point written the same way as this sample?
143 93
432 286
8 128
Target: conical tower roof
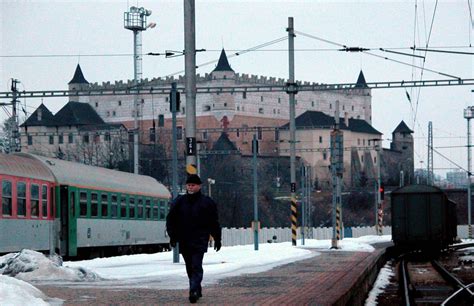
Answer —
361 83
223 63
402 128
78 77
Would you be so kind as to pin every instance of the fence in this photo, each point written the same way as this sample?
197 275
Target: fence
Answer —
243 236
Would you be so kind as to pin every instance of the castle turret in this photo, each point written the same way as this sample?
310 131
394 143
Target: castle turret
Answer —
402 141
78 81
223 69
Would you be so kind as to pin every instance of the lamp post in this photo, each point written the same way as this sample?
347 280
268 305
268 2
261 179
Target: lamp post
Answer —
135 20
469 114
210 182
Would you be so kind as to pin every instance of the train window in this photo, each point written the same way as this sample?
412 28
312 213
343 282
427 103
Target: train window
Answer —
94 205
155 209
82 203
114 207
7 198
21 198
123 206
148 208
131 207
104 204
34 200
140 208
44 201
162 210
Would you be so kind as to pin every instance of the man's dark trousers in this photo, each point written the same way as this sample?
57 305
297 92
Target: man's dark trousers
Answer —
194 269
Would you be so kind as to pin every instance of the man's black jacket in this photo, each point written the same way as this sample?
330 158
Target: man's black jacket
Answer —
190 221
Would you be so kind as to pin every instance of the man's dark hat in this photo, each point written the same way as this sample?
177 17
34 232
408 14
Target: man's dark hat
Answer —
193 179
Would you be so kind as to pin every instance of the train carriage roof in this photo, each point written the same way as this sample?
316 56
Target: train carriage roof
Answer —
80 175
24 166
417 189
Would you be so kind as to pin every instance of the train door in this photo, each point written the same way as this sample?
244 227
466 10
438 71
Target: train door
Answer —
68 220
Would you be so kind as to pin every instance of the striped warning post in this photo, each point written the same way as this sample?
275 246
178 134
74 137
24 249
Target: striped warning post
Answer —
294 220
338 223
469 231
380 222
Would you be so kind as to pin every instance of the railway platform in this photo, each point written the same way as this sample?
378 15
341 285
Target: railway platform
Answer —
331 278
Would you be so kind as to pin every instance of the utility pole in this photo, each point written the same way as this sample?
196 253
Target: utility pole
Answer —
190 79
469 114
135 20
337 170
380 191
15 134
292 90
256 224
430 154
174 108
303 202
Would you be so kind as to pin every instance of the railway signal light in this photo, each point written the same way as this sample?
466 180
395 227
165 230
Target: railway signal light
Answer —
178 100
382 191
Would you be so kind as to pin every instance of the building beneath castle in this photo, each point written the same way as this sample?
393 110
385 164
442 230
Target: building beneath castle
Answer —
239 115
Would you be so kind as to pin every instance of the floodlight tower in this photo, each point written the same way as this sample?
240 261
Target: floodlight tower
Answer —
469 114
135 20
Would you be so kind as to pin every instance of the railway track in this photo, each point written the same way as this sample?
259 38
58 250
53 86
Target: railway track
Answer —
424 281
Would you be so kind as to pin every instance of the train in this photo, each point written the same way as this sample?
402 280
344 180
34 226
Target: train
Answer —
79 211
423 218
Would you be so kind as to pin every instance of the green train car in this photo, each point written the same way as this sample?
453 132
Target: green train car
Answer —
97 211
423 218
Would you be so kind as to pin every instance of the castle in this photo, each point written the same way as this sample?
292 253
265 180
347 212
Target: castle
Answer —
240 115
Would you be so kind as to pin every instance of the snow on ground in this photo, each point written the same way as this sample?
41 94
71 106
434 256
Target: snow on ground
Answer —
17 292
154 270
383 279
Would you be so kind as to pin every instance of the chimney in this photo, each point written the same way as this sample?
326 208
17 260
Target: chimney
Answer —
346 119
40 114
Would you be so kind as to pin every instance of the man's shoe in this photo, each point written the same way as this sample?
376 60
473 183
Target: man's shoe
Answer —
199 294
193 297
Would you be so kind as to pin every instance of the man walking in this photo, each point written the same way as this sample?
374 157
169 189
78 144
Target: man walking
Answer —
190 221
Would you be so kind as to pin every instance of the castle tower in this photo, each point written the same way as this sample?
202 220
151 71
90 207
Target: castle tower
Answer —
361 85
223 75
402 141
78 82
223 71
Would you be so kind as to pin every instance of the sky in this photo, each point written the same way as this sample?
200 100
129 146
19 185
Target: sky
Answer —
157 270
91 33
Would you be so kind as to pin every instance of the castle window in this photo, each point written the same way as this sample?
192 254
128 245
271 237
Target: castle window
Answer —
369 142
238 133
85 138
30 140
70 138
343 107
352 107
97 137
51 139
320 139
161 120
60 138
274 111
96 104
206 108
279 100
244 95
277 135
107 136
330 106
225 104
114 113
166 99
152 135
312 103
143 101
261 98
325 156
259 133
404 147
363 142
119 102
108 113
238 108
204 135
260 110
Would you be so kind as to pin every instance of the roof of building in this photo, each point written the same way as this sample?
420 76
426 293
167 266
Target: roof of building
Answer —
223 63
361 83
42 116
402 128
78 77
76 113
315 119
224 144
